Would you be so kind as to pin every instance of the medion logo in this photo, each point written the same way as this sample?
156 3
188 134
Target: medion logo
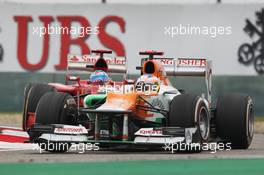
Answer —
253 53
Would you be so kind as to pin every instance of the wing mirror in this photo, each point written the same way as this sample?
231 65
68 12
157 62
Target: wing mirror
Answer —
129 81
73 78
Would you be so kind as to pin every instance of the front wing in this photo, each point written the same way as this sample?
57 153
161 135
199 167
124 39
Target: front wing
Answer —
79 134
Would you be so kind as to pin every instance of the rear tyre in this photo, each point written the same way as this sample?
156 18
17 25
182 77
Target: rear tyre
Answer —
56 108
24 120
235 120
191 111
32 95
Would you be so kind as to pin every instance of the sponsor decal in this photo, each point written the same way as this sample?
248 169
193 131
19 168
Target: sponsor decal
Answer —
191 62
194 62
92 60
67 130
149 132
167 61
104 133
66 39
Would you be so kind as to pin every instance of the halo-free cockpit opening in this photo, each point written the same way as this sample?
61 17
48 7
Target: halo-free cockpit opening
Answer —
149 67
101 65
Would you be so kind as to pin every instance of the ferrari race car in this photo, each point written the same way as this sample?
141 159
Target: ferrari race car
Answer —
148 112
95 64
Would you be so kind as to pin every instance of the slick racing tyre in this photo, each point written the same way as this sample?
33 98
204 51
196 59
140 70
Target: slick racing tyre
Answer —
32 95
191 111
56 108
235 120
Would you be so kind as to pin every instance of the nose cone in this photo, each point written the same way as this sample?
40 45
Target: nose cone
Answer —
119 101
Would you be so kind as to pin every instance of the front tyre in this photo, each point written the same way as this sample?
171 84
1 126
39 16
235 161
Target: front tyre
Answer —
56 108
191 111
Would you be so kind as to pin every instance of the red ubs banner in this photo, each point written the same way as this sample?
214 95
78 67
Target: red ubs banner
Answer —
38 37
107 40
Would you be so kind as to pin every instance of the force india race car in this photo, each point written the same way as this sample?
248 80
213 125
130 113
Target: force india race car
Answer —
148 112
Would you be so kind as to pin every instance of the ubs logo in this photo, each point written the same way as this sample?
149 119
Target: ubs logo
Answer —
1 51
253 53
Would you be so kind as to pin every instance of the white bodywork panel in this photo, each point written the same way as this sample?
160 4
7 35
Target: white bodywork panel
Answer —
158 140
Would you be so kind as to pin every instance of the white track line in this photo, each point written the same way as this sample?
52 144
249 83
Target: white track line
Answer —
14 133
9 127
6 146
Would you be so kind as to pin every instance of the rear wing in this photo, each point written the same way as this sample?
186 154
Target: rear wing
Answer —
90 63
186 66
197 67
182 67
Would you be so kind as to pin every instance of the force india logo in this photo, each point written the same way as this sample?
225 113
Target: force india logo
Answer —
253 53
150 132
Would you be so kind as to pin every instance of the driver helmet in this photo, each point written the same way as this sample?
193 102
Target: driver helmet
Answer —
99 76
148 82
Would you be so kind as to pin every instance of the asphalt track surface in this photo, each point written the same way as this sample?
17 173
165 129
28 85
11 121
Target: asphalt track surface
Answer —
256 151
23 159
133 162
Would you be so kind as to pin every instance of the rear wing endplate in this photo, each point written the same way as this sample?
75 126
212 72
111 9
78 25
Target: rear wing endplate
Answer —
197 67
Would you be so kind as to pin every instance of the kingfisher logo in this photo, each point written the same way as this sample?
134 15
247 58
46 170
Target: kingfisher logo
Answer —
253 53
